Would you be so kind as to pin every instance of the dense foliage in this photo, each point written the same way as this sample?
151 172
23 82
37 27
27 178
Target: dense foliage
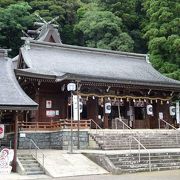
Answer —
142 26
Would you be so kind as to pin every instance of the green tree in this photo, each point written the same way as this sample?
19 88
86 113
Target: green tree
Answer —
6 3
132 16
162 32
13 20
101 29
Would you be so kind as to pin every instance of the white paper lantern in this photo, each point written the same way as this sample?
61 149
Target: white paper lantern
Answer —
149 109
107 108
172 110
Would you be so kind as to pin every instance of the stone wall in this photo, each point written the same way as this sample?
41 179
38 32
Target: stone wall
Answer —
83 139
53 140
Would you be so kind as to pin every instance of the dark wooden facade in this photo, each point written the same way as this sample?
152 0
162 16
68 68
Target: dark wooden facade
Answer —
94 95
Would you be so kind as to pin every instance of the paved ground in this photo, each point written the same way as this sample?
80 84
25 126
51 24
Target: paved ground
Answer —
64 166
163 175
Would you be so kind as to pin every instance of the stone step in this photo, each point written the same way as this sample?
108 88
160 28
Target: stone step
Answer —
142 162
147 169
135 144
32 168
34 172
28 161
135 148
158 137
176 157
155 154
138 166
26 158
30 164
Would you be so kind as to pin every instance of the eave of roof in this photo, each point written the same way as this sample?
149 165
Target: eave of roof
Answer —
12 97
96 80
17 107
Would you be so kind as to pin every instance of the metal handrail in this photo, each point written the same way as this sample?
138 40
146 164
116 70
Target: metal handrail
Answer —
35 155
98 127
124 124
166 123
139 147
177 141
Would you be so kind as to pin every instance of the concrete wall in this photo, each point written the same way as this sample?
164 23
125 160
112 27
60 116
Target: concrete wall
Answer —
53 140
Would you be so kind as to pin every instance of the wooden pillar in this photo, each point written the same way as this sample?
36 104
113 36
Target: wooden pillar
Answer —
15 141
37 100
106 121
92 109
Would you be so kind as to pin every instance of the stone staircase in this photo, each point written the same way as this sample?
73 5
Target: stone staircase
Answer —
151 139
129 163
163 145
29 165
92 143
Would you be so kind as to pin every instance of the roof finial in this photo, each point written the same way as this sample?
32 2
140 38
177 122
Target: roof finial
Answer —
47 31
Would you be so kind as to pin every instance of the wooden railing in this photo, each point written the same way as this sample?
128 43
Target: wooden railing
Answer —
54 125
83 124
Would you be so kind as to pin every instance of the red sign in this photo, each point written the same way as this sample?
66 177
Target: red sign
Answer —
1 130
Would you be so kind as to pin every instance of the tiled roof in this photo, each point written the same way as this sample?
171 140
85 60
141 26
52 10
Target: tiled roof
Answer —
59 60
11 95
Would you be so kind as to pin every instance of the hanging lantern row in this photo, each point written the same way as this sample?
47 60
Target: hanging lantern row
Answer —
127 98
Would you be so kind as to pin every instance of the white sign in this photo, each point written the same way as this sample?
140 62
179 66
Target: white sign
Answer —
48 104
50 113
177 112
6 157
22 135
1 131
160 115
57 112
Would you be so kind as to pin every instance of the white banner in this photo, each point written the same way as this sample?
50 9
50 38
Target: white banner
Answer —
177 112
1 131
75 108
